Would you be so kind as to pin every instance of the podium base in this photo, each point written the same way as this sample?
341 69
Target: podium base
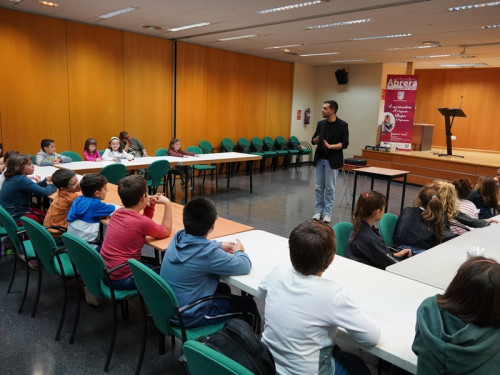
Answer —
457 156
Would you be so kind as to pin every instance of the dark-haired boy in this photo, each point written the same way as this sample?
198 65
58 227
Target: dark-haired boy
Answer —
192 266
68 187
48 155
85 214
304 310
127 229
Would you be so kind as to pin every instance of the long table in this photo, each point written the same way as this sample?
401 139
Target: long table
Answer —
438 265
390 299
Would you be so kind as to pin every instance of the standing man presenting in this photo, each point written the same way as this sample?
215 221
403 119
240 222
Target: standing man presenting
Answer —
331 137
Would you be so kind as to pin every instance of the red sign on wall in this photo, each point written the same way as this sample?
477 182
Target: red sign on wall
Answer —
399 108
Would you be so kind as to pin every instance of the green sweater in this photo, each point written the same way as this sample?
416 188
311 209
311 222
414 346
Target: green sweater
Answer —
444 344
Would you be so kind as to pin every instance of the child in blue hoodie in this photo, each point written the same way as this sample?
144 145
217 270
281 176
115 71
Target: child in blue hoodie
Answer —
193 265
85 214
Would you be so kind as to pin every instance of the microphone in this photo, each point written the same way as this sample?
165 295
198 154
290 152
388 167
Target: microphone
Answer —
461 100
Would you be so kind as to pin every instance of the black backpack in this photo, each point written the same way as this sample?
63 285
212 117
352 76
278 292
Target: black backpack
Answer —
238 342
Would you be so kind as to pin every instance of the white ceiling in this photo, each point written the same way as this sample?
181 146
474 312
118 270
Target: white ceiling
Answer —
426 20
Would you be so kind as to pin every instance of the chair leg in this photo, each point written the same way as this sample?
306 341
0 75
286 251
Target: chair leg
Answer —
161 344
63 312
13 272
25 286
77 313
144 338
113 337
39 289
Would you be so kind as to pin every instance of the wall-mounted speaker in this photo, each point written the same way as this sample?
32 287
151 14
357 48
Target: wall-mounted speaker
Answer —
341 76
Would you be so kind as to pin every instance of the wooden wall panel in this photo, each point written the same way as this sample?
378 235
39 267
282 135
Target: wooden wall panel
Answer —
279 99
148 90
223 113
480 89
33 81
191 109
95 66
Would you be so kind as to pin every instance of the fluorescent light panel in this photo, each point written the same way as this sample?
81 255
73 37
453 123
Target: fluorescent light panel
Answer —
474 6
343 23
346 61
47 3
289 7
117 12
280 47
464 65
189 26
320 54
436 56
415 47
382 37
237 37
491 26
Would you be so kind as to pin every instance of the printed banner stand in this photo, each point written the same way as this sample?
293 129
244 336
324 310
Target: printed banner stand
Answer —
399 109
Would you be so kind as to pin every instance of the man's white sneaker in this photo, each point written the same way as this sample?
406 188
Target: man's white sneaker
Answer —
327 219
317 216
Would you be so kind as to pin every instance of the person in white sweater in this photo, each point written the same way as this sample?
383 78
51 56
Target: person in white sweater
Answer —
115 152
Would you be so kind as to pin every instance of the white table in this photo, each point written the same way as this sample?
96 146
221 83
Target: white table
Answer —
438 266
44 172
390 299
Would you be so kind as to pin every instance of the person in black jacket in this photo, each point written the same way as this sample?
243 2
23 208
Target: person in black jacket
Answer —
331 137
365 244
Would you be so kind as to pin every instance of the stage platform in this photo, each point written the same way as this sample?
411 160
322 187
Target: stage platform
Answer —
426 166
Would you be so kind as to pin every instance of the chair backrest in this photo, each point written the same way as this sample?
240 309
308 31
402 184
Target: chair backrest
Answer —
114 172
269 143
11 228
45 247
226 145
294 142
280 141
101 152
194 150
206 146
342 231
33 158
88 262
257 144
203 360
73 155
387 225
161 152
243 145
157 295
156 171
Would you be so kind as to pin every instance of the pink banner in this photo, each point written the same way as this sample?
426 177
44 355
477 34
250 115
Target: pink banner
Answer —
397 120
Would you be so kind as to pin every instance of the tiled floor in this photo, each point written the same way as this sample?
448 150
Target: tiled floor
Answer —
280 200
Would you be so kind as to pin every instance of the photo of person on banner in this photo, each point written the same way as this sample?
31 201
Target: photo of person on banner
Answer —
388 123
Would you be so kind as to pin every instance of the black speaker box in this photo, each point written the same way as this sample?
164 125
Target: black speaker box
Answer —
341 76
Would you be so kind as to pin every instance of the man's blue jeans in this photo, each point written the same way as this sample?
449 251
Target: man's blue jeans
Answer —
325 181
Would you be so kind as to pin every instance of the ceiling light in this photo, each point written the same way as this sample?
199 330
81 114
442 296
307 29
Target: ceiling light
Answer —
436 56
189 26
382 37
47 3
474 6
465 65
414 47
343 23
320 54
151 27
491 26
346 61
280 47
237 37
291 6
118 12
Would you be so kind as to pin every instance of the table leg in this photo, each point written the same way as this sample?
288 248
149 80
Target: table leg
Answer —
387 193
403 194
251 180
354 191
228 166
371 185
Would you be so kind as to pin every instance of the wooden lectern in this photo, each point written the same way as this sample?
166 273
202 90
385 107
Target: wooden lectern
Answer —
450 113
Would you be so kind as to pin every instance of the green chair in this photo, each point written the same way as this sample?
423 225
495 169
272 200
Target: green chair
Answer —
162 303
96 278
280 153
342 232
101 152
114 172
161 152
303 147
202 360
206 147
22 248
258 146
55 260
33 158
202 167
281 145
73 155
227 145
244 147
156 175
387 225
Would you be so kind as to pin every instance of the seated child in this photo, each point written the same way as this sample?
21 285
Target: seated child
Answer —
458 332
192 266
115 152
485 196
2 161
6 157
90 151
174 149
48 155
68 187
303 310
84 216
365 244
17 188
127 229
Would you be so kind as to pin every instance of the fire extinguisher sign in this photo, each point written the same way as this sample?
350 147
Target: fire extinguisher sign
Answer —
299 114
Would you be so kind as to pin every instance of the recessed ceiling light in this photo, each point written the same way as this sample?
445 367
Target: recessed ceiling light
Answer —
189 26
474 6
436 56
343 23
118 12
151 27
413 47
465 65
291 6
47 3
287 46
491 26
382 37
346 61
319 54
237 37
